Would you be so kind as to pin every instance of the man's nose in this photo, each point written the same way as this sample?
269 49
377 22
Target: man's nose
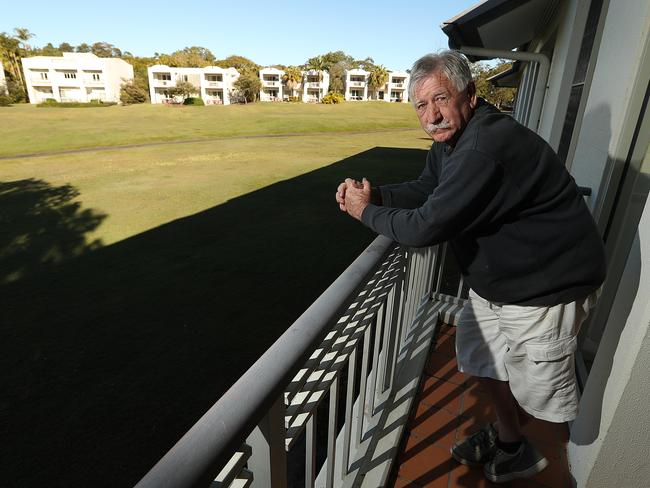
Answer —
433 113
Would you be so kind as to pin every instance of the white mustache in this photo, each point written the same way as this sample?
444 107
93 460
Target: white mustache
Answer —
431 128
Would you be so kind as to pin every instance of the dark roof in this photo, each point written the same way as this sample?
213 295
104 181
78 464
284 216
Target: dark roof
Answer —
499 24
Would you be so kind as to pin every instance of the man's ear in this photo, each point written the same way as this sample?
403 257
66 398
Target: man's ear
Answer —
471 94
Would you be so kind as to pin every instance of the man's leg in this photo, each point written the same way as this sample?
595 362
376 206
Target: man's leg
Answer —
508 417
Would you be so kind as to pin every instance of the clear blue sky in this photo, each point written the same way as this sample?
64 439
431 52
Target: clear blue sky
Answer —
394 33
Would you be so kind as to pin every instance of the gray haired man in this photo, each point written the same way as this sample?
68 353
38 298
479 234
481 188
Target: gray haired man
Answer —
525 242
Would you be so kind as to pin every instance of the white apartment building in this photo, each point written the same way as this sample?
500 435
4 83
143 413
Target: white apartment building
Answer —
271 79
397 87
216 84
356 85
75 77
314 85
213 83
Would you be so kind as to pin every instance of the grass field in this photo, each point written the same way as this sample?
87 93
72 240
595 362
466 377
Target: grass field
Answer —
30 129
137 284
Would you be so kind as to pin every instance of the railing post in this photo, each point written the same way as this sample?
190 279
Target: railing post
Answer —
268 460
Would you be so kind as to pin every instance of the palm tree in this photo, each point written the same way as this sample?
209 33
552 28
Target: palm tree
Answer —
292 78
317 64
377 79
23 35
10 50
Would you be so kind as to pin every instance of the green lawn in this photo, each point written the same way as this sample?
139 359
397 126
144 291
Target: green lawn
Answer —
137 284
31 129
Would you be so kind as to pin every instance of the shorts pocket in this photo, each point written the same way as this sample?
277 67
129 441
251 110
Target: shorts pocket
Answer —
552 350
550 364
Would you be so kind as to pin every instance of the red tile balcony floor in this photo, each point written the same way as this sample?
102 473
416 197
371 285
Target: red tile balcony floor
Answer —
450 405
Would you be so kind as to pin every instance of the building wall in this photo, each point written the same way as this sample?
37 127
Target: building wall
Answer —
112 73
610 438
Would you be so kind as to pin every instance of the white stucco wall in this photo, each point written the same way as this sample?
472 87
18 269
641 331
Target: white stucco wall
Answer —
609 105
610 439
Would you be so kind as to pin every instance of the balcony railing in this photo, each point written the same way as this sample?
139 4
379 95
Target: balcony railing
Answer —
366 337
162 82
214 83
271 83
357 83
397 85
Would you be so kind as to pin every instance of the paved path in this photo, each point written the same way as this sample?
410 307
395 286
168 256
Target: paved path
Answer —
194 141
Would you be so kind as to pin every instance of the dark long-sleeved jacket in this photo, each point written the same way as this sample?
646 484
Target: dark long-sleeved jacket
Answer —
516 222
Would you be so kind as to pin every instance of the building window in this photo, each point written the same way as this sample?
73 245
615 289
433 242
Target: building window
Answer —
184 77
43 75
579 78
95 76
70 75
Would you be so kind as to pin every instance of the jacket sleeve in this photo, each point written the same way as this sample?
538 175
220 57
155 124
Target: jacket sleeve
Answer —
411 194
467 195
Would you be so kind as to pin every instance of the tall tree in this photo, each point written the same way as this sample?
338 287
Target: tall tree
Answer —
64 47
337 77
318 64
498 96
105 50
11 51
23 35
292 78
83 48
377 79
194 57
240 63
248 85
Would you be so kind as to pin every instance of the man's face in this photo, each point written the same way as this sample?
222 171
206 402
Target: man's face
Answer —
444 111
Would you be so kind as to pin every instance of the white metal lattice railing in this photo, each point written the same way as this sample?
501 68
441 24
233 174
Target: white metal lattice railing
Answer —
350 365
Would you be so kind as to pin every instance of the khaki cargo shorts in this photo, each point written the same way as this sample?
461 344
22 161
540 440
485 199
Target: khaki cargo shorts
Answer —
530 347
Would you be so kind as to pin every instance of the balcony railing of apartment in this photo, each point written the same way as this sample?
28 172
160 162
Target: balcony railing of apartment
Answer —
40 81
351 365
357 83
271 82
397 85
356 97
214 83
313 84
160 82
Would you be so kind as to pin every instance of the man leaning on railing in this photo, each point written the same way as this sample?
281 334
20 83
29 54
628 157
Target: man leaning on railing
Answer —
525 242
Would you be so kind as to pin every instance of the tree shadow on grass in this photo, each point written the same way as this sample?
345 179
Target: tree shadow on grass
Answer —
41 225
110 357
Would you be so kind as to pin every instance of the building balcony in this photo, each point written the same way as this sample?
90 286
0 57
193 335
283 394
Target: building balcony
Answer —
398 85
40 82
271 82
213 84
161 82
357 84
367 340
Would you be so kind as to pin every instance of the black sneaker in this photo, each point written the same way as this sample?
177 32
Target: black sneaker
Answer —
478 448
524 463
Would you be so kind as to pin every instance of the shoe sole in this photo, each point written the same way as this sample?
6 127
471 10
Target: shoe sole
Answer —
538 467
464 461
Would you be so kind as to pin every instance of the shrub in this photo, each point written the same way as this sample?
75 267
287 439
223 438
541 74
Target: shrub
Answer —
15 91
293 99
132 92
193 101
50 102
5 101
333 97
